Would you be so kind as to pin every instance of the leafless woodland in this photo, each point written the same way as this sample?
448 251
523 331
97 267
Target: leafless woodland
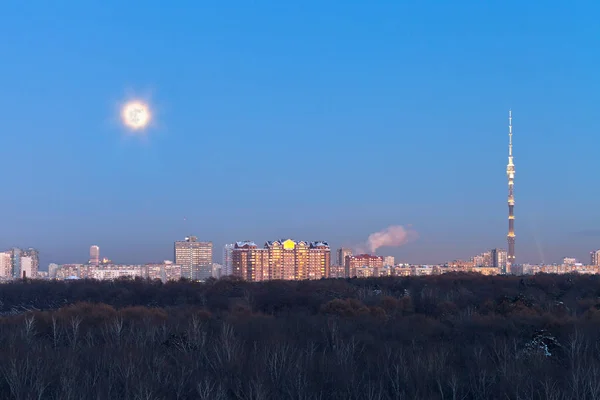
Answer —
444 337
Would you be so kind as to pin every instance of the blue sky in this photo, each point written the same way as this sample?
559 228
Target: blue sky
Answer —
317 120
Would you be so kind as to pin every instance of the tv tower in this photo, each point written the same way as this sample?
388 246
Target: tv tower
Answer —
510 173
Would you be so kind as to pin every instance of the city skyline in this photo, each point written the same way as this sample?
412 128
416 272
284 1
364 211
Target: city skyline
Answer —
496 257
337 126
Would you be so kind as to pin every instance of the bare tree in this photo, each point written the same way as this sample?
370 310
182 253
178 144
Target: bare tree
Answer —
116 328
397 375
550 391
593 383
481 383
577 350
227 348
73 333
145 392
372 391
56 332
277 360
196 332
254 389
455 388
29 328
209 390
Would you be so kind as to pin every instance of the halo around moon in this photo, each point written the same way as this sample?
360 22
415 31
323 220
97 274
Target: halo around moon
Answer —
136 115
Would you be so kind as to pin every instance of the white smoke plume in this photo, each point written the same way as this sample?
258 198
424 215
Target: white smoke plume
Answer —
392 236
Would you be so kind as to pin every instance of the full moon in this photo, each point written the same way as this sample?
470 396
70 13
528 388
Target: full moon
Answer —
135 115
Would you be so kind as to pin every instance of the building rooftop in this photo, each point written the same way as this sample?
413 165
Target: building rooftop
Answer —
366 256
244 244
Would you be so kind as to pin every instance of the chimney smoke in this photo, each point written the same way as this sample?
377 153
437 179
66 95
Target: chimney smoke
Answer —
392 236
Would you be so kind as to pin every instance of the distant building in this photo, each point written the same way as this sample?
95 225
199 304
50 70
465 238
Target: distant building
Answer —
483 259
342 253
166 271
486 270
26 266
5 265
34 255
499 259
227 268
364 272
281 259
402 270
337 271
389 261
52 270
94 255
569 261
353 263
116 271
195 258
595 258
421 270
319 261
217 270
15 259
172 272
69 270
250 262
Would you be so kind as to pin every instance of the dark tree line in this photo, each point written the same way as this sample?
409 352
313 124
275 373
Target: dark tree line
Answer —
453 337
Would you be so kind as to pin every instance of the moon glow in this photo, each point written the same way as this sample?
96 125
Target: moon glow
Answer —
135 115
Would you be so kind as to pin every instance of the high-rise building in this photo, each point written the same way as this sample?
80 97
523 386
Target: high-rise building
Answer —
250 262
510 173
342 253
5 265
35 262
319 261
195 258
595 258
499 259
389 261
94 255
227 268
363 260
15 260
281 259
26 266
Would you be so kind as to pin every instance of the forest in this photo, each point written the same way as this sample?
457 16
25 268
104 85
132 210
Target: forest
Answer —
452 336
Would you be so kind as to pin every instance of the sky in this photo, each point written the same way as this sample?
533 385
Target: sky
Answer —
315 120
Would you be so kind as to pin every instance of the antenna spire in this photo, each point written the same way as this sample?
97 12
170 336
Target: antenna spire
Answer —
510 133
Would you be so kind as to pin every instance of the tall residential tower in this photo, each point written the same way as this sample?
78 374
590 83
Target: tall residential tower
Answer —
195 258
342 254
227 265
510 173
94 255
595 255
